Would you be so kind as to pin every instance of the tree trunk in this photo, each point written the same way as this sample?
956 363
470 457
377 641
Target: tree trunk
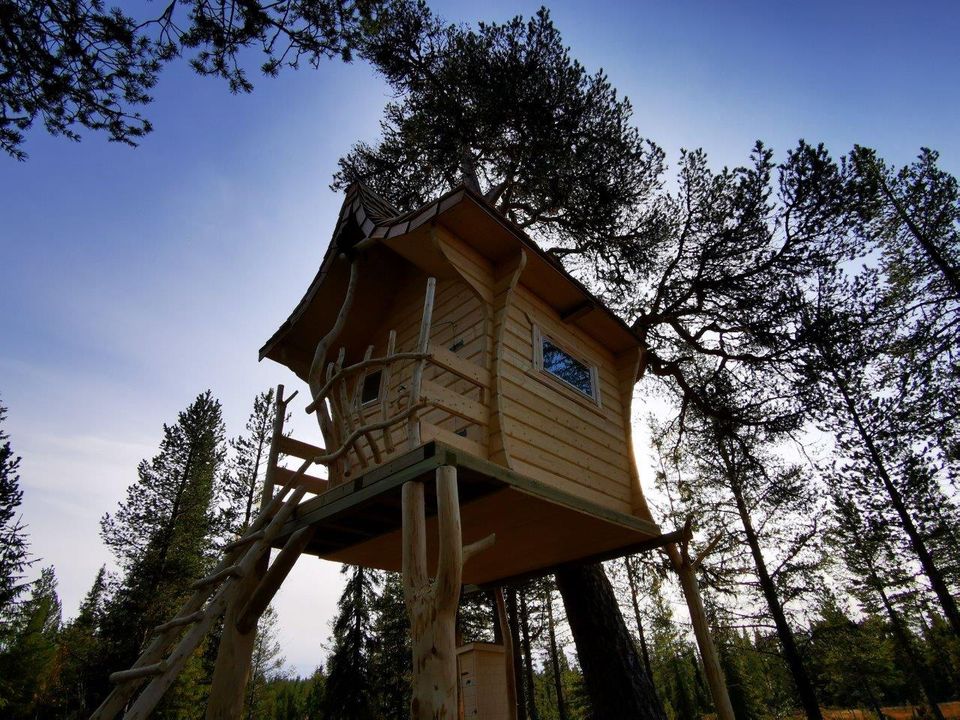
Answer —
805 691
432 605
527 658
632 581
506 637
555 659
518 682
615 679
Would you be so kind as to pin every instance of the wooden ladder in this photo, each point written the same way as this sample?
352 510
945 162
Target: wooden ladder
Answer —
175 641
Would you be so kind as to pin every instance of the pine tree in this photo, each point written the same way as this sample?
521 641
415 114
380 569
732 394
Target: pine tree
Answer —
13 541
161 535
349 691
675 675
506 110
883 585
82 64
391 661
889 458
242 484
27 663
266 665
855 660
79 655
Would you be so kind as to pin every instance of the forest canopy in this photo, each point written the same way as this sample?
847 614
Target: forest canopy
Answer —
800 315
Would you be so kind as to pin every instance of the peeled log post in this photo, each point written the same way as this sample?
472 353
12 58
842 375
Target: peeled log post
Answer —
432 606
686 571
235 654
508 650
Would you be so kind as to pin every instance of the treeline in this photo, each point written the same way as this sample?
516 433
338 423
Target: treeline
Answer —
196 494
806 330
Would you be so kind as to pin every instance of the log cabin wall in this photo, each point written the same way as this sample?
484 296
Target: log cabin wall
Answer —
526 419
552 432
557 434
459 327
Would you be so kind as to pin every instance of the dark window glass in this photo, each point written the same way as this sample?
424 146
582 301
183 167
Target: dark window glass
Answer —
371 387
572 371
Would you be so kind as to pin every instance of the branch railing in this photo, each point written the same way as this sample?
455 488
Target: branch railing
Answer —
359 435
346 421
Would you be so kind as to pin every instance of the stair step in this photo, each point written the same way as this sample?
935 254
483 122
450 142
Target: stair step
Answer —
139 672
232 571
245 540
177 622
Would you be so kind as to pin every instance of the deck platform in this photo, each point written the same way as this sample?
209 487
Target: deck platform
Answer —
538 527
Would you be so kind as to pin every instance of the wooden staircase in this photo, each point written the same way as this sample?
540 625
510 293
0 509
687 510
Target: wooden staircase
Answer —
244 582
175 641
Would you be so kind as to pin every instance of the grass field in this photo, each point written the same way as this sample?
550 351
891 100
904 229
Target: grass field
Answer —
950 710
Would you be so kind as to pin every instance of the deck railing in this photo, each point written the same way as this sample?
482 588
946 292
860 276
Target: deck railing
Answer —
359 435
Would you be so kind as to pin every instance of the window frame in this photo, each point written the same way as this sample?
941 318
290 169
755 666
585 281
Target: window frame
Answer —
363 383
543 373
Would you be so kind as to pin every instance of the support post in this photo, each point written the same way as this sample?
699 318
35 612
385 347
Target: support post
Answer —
235 654
508 651
423 344
432 606
686 571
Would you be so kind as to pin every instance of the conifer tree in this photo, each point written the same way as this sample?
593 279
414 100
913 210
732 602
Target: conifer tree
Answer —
504 109
266 665
27 661
79 64
882 584
674 673
79 655
242 483
893 460
349 692
13 541
391 660
161 535
855 661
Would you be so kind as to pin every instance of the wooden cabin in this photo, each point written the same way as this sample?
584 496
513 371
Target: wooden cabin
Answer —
483 686
459 341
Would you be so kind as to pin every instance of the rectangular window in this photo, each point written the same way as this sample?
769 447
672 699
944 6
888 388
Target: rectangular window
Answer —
370 392
557 362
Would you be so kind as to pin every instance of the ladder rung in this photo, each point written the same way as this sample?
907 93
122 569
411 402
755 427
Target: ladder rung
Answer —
139 672
233 570
240 542
177 622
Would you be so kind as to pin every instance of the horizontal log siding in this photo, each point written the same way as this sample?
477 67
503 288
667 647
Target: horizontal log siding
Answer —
557 435
457 314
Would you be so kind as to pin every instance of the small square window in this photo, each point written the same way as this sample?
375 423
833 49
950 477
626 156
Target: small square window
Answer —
564 366
371 387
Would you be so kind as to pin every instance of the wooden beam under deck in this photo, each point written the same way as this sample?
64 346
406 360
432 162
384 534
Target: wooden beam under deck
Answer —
538 527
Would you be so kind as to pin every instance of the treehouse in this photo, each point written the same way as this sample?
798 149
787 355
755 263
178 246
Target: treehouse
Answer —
447 337
473 401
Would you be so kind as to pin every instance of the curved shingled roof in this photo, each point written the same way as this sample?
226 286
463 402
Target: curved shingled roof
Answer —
365 216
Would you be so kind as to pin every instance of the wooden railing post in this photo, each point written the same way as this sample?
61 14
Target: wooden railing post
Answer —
235 654
432 606
423 343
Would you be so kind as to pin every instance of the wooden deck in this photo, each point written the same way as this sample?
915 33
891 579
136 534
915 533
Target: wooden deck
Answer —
538 527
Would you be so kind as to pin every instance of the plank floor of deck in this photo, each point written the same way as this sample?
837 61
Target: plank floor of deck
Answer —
538 527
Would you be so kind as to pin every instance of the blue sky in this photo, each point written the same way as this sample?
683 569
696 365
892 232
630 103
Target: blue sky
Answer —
132 279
